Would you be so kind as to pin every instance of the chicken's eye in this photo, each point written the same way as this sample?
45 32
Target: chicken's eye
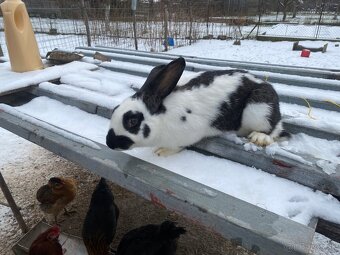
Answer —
58 185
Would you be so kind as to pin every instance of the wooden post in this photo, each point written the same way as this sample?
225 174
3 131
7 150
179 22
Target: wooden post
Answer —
133 9
166 17
107 15
86 21
208 17
321 13
13 205
190 26
260 6
135 29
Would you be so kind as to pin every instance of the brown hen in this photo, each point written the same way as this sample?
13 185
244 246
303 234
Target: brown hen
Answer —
55 195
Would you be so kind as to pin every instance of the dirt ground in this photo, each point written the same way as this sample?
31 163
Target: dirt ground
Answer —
26 175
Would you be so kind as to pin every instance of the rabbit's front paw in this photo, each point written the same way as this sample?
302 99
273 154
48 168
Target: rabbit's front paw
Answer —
260 139
164 152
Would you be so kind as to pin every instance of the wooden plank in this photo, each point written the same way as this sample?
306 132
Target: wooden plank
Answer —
329 229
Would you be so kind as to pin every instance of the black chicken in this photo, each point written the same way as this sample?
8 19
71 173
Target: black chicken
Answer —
101 220
151 240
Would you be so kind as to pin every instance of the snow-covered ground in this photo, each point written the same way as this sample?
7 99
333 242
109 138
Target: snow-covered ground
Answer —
308 31
283 197
264 52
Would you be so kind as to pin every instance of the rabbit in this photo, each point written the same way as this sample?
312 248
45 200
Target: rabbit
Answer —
172 116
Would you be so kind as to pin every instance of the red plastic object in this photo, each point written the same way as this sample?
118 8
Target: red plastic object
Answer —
305 53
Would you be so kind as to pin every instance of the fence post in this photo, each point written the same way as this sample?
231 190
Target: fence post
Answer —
260 7
166 17
190 26
208 16
321 13
86 21
134 8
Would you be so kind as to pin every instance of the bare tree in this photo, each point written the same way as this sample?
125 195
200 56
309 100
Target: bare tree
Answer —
286 4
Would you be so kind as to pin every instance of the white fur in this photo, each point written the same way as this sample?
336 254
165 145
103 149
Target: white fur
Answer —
170 132
254 118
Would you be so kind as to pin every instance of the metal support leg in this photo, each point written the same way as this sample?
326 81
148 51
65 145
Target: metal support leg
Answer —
12 204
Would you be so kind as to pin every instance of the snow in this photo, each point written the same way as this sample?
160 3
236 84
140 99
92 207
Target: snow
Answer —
107 88
104 81
319 118
309 31
263 52
11 80
91 86
307 93
49 127
301 144
278 195
81 94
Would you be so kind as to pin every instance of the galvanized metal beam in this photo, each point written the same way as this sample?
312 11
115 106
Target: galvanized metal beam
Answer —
107 113
275 68
308 175
283 98
271 77
257 229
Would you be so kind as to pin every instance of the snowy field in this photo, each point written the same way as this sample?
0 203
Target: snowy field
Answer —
308 31
265 52
278 195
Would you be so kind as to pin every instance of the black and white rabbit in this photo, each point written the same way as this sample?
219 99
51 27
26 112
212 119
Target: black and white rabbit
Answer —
169 116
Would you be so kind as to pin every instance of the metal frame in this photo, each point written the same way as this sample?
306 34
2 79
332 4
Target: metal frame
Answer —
254 228
327 84
311 176
285 69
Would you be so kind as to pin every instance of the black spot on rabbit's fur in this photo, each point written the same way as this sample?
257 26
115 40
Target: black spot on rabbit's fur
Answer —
114 141
132 121
183 118
146 131
188 111
230 113
207 78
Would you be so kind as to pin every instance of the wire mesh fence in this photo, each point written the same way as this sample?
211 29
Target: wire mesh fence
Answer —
164 24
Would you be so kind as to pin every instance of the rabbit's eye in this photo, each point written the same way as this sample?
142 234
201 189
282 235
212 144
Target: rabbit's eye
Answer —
132 121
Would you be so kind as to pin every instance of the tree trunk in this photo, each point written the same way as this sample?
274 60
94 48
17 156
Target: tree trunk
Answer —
277 9
294 9
284 13
107 14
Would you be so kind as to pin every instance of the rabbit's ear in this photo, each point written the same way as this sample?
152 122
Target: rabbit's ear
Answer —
160 82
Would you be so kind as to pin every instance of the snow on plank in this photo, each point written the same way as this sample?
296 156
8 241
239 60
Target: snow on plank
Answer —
258 229
323 124
274 68
312 78
12 81
223 175
291 97
103 105
314 168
